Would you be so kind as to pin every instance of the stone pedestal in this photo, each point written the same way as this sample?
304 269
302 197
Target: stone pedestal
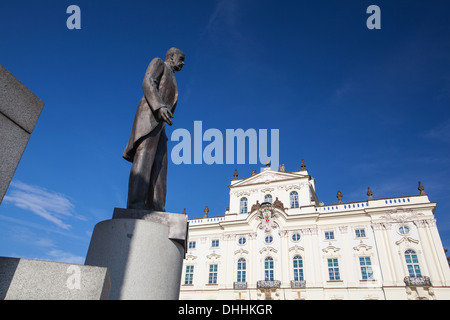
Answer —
19 112
143 251
24 279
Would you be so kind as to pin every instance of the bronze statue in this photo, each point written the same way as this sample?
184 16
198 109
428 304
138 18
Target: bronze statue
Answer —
147 146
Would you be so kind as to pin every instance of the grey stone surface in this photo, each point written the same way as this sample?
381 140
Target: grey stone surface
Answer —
19 112
17 102
13 141
23 279
177 223
143 263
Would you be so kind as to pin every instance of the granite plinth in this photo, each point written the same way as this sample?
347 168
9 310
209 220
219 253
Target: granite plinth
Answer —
24 279
143 261
19 112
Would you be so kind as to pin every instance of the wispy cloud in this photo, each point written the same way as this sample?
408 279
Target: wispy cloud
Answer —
51 206
64 256
440 132
223 18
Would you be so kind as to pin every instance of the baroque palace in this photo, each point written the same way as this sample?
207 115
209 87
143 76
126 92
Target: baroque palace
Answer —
277 241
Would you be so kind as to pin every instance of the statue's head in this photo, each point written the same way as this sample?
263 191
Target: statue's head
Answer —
175 58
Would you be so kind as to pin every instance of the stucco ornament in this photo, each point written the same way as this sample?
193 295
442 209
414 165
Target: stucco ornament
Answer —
267 216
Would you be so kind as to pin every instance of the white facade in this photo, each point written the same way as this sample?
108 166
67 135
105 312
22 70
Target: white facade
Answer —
374 249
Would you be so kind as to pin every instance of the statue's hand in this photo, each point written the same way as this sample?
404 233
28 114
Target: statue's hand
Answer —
165 115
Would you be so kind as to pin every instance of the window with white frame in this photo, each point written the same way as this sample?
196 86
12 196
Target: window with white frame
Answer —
296 237
191 245
298 268
215 243
366 268
242 240
268 269
241 270
333 269
294 199
212 279
360 233
403 229
329 235
412 263
243 205
268 198
268 239
189 275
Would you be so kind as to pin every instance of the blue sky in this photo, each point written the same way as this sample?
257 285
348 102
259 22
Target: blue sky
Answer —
362 107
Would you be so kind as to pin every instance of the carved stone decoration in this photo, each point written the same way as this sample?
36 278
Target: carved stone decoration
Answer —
235 175
421 189
256 206
278 204
410 215
206 212
303 165
369 194
267 216
339 196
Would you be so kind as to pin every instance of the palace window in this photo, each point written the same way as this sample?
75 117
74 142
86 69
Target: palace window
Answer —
242 240
294 199
333 269
212 279
215 243
268 269
412 263
241 270
296 237
191 244
360 233
298 268
366 268
189 275
403 229
268 198
268 239
329 235
243 205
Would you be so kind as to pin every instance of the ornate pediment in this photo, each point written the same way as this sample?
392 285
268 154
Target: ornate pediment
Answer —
407 240
266 176
268 250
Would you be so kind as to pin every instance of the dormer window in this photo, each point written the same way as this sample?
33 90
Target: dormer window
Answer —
268 198
243 205
294 199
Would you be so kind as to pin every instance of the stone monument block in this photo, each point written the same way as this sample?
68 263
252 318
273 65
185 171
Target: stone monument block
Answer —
19 112
23 279
143 251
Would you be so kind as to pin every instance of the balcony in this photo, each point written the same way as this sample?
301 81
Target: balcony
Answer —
240 285
417 281
272 284
298 284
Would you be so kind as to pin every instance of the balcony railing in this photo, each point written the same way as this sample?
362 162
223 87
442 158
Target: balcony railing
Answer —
239 285
264 284
417 281
297 284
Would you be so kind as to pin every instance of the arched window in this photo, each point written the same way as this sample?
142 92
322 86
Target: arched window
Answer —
268 198
243 205
241 270
412 263
294 199
268 269
298 268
